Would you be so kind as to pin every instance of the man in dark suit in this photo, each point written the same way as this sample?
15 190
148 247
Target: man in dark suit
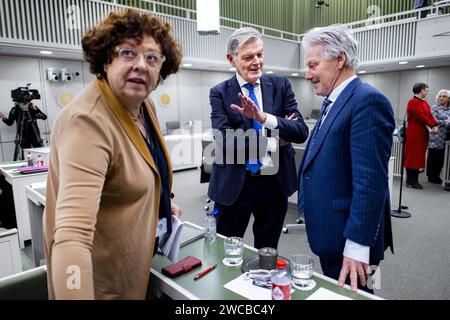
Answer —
253 172
344 191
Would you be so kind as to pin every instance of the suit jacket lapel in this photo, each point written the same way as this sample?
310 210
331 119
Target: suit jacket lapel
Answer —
267 95
233 89
335 110
126 122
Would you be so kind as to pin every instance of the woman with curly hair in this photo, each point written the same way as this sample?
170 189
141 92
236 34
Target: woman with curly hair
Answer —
110 176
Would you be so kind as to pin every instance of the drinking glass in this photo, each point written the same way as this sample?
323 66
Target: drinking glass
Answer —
234 250
302 272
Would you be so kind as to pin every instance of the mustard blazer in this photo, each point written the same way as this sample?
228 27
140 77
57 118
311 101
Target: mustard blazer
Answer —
102 200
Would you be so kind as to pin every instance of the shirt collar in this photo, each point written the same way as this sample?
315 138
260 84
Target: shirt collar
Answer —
242 82
338 90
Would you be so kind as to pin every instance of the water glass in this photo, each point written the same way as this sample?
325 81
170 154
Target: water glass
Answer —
302 271
234 251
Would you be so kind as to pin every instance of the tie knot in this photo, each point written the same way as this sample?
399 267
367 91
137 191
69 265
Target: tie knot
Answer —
249 86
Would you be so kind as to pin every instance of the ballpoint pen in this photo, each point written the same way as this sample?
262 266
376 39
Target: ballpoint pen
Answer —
201 274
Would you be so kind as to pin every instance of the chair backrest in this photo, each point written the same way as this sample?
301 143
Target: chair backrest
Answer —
315 113
27 285
171 126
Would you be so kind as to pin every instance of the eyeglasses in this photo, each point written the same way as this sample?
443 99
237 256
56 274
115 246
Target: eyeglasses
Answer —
153 59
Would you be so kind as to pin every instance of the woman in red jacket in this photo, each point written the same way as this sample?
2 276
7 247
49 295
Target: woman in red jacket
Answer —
419 117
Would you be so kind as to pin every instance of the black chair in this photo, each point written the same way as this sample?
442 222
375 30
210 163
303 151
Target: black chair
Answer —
315 113
27 285
171 126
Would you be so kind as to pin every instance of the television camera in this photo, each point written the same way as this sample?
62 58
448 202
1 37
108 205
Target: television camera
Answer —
27 130
23 95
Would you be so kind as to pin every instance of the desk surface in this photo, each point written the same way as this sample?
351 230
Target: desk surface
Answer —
9 169
210 286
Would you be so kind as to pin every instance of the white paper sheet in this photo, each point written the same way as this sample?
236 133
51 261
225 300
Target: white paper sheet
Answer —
325 294
248 290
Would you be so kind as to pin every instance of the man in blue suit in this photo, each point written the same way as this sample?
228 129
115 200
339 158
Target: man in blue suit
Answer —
253 172
344 191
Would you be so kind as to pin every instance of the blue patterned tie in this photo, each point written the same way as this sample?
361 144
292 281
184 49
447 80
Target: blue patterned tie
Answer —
323 113
255 166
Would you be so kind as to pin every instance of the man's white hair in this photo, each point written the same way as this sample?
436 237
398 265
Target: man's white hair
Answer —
336 39
240 36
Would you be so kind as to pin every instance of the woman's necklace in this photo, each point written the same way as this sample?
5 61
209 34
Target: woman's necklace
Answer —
139 121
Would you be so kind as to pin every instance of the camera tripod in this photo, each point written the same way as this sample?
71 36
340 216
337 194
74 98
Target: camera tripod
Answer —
26 121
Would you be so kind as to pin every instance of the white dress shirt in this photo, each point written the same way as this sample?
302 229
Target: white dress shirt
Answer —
270 123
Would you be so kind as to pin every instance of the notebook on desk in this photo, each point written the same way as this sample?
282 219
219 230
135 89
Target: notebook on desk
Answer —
190 234
35 169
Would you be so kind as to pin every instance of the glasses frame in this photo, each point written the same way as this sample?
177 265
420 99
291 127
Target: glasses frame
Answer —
158 65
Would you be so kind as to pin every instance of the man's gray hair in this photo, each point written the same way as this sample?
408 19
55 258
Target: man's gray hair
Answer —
241 36
336 39
441 92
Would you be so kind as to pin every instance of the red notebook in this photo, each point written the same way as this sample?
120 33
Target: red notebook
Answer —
36 169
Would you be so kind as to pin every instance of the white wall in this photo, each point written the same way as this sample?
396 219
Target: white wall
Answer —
188 91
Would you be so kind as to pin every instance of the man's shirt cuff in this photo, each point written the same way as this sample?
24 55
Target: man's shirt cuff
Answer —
271 122
356 251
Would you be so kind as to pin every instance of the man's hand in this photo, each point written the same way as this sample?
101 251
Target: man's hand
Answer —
176 211
356 269
249 109
32 106
282 142
2 116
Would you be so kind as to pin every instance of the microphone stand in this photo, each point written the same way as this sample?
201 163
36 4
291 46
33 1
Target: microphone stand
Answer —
399 213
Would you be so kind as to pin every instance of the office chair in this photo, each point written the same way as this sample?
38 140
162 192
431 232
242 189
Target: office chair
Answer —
315 114
300 224
26 285
300 221
207 160
171 126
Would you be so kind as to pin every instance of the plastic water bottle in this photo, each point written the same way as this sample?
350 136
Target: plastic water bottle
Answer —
210 225
40 162
281 281
30 159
